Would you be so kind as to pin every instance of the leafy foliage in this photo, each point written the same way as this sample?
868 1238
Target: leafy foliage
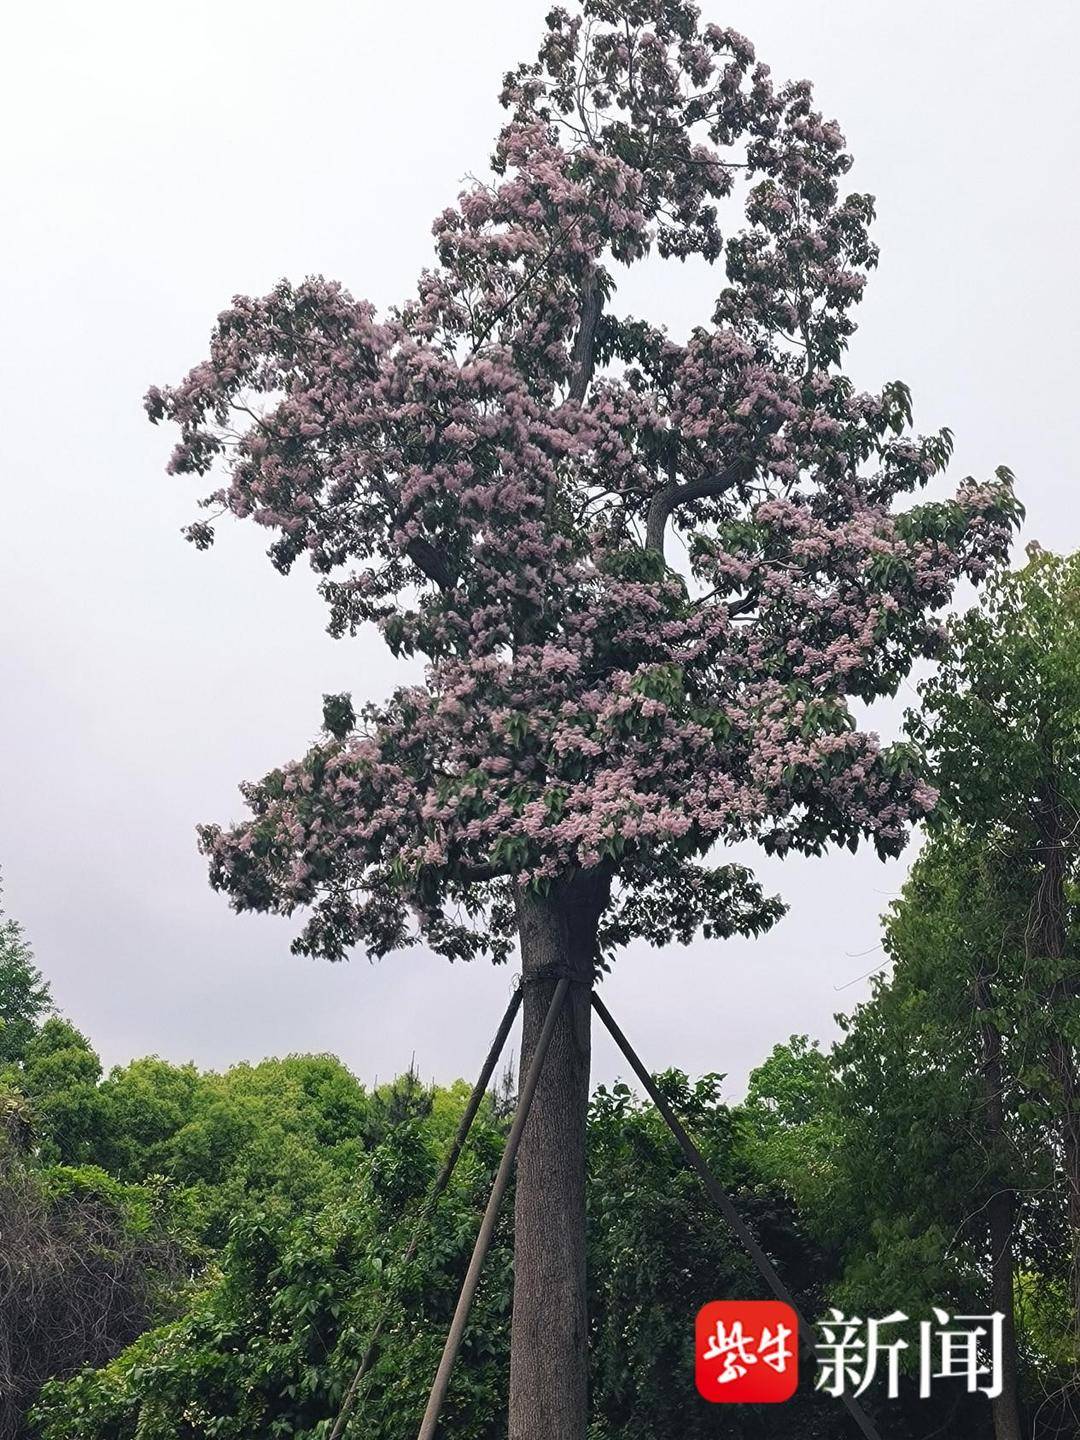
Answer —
487 473
274 1334
86 1264
24 995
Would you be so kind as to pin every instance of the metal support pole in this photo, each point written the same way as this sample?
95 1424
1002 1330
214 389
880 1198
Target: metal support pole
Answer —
720 1198
491 1215
441 1181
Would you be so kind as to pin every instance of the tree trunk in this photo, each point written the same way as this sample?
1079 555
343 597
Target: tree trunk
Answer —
1006 1406
548 1354
1063 1068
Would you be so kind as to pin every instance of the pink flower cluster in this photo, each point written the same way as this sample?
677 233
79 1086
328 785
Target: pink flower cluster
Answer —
487 473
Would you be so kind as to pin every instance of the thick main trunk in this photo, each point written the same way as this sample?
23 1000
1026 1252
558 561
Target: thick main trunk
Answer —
548 1356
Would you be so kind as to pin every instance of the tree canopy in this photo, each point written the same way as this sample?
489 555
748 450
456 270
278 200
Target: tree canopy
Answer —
488 471
24 995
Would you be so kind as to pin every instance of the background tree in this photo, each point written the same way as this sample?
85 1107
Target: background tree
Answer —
273 1333
658 1249
59 1075
251 1222
1001 723
272 1329
84 1260
270 1135
945 1145
86 1265
882 1145
489 473
24 995
920 1150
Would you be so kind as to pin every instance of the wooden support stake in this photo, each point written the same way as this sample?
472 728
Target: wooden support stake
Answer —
491 1215
441 1181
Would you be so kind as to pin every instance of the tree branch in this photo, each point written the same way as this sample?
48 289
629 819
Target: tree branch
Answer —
425 555
583 359
583 356
428 558
673 495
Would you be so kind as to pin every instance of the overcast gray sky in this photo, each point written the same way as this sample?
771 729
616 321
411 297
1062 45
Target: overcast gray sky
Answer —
157 159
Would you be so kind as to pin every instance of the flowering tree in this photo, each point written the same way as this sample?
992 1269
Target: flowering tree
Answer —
493 475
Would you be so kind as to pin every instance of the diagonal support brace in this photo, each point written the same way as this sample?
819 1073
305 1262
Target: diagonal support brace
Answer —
722 1200
491 1215
442 1180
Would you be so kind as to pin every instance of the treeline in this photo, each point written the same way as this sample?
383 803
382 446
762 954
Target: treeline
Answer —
244 1230
186 1255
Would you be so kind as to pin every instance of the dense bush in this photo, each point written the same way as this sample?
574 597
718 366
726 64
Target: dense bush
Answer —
272 1338
86 1264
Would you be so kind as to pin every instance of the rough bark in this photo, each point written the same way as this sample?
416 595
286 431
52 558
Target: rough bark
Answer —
1001 1212
548 1358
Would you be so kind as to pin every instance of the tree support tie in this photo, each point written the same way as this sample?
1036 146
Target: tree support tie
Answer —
724 1204
540 973
442 1180
491 1215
